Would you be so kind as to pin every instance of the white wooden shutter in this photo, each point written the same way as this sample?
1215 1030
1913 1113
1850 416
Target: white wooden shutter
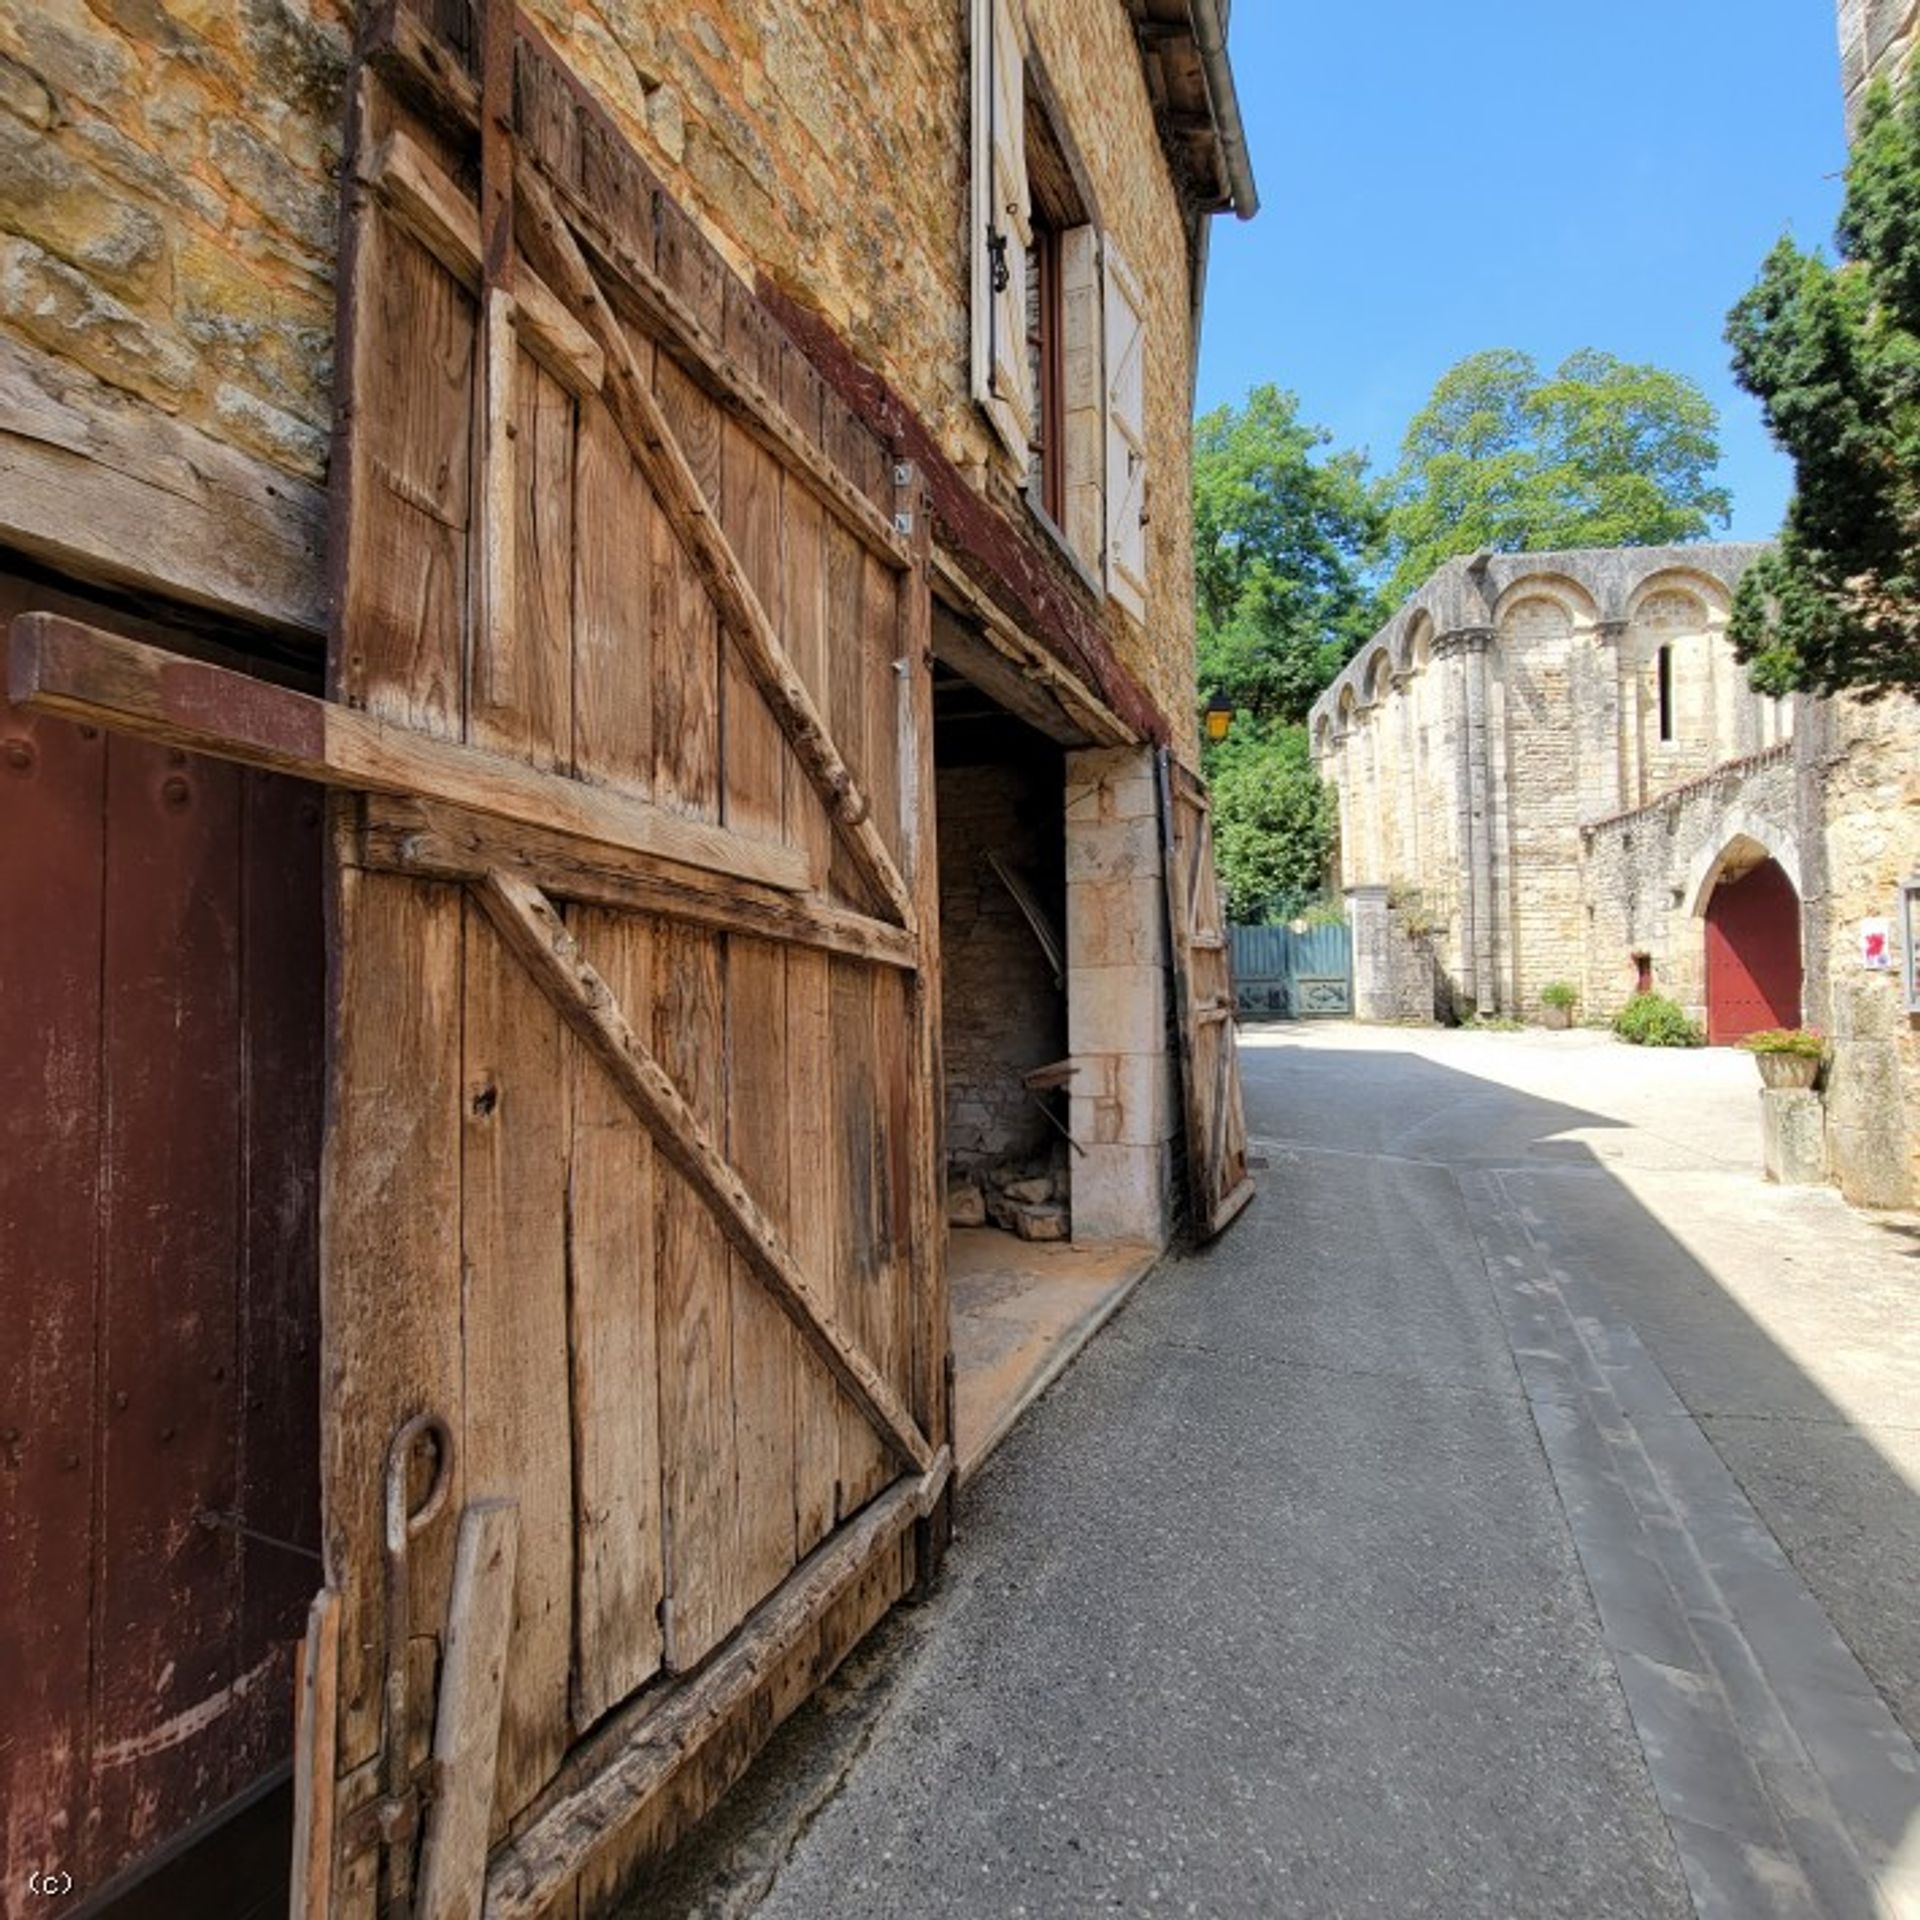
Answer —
1126 349
1002 227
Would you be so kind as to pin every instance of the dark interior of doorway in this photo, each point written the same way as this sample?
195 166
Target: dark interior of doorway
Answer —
1000 799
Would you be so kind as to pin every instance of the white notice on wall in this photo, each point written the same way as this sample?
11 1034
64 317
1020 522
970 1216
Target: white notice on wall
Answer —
1876 945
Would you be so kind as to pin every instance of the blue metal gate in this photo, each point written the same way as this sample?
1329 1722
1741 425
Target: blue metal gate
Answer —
1278 973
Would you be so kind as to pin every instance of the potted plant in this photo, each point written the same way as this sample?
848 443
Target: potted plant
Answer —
1557 1002
1787 1056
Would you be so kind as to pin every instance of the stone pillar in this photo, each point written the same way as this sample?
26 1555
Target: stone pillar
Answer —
1473 643
1407 866
1123 1105
1793 1136
1604 786
1447 662
1373 996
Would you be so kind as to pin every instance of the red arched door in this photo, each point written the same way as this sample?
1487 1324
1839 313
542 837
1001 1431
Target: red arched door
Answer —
1753 955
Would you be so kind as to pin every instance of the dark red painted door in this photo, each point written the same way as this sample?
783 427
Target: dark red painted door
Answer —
1753 955
161 1054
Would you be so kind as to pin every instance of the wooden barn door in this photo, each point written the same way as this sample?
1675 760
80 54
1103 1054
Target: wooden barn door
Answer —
1218 1184
634 1339
630 1172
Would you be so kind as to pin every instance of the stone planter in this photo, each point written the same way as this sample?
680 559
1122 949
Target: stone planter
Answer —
1556 1019
1788 1069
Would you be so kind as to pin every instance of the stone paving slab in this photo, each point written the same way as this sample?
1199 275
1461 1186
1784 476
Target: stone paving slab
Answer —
1761 1729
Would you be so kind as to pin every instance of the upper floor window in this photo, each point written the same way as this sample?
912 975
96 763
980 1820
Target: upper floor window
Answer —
1059 335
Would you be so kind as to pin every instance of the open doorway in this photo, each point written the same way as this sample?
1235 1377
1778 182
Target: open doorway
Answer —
1034 1127
1000 794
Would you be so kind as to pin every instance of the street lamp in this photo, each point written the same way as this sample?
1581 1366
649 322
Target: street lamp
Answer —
1219 717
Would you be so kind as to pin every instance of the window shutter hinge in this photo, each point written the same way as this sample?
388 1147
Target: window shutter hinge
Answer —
1000 277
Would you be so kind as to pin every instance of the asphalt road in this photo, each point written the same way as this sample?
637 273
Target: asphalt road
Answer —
1371 1564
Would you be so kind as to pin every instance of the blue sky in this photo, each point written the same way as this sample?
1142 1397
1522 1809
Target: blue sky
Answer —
1541 174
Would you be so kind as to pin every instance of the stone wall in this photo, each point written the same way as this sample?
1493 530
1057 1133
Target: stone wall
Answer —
169 218
1125 1110
1647 876
1876 36
1003 1011
1858 772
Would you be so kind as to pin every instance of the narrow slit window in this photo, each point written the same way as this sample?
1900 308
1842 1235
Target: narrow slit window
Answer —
1665 671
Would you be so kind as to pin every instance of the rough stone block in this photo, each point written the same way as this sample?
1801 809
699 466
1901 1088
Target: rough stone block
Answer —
966 1206
1116 1010
1117 923
1034 1192
1112 850
1121 1193
1793 1135
1047 1221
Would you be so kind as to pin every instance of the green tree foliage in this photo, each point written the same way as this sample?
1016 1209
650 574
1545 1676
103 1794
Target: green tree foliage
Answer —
1833 355
1601 453
1273 821
1280 532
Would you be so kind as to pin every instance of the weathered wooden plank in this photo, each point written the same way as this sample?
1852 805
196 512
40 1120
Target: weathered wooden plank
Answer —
390 1189
1217 1182
540 939
522 694
930 1319
518 1440
1100 724
58 666
619 1569
683 503
811 1221
569 1837
699 1467
426 203
409 335
862 1281
807 1040
316 1727
684 628
165 1626
466 1737
106 487
764 1366
448 844
53 779
516 1143
758 1135
619 1574
612 611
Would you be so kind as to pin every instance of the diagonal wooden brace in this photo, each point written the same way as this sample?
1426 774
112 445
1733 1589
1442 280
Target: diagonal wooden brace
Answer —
651 440
538 937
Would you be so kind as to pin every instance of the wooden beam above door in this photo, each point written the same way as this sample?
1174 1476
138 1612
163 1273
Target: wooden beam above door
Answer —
59 666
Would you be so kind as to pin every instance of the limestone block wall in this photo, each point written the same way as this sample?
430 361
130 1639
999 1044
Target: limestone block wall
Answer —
1876 36
1124 1106
1003 1010
1514 699
1647 875
169 217
167 222
1858 776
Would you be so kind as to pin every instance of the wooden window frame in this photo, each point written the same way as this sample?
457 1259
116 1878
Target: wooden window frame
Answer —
1048 346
